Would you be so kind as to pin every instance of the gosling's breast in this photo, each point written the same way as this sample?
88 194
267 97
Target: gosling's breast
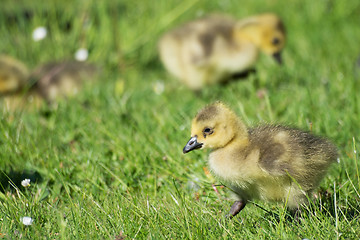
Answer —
235 166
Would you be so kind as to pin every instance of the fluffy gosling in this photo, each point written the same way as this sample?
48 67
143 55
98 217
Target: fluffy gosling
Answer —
269 162
214 48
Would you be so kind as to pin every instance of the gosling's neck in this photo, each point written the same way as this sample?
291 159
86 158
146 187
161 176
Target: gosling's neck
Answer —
240 138
239 141
250 34
241 132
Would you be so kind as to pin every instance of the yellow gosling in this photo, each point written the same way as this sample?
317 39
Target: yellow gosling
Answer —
212 49
268 162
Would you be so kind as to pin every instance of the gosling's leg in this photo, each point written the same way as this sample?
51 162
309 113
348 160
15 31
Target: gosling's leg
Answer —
236 208
296 214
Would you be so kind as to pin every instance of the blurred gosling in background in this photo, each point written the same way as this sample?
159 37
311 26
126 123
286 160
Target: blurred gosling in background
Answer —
214 48
268 162
22 90
62 79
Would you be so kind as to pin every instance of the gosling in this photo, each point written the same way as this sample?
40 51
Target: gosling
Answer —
269 162
215 48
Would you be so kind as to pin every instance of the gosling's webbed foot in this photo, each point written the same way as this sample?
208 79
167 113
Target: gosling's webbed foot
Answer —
236 208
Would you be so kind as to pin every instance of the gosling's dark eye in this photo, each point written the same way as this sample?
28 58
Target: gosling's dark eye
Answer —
207 131
275 41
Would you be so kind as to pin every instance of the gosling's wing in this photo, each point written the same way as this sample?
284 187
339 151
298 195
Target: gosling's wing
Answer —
275 150
288 151
214 28
273 159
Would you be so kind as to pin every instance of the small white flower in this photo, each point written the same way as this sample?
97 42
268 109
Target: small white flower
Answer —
81 54
159 87
39 33
27 221
25 182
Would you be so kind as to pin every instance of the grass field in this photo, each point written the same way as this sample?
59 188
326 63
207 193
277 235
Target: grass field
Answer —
108 163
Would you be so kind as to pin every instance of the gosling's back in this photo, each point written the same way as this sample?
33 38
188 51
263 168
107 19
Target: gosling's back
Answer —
288 151
62 79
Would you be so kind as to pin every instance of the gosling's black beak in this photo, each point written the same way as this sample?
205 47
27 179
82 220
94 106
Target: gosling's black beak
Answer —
192 145
278 58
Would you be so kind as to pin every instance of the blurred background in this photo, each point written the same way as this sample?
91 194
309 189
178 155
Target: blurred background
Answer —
121 138
124 34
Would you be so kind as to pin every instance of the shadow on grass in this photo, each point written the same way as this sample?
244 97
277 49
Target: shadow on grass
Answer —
15 177
321 206
326 204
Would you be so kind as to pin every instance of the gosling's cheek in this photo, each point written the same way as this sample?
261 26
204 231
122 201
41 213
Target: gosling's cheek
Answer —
204 145
208 145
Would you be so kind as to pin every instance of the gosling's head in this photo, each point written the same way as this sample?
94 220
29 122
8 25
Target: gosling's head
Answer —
214 127
266 31
13 75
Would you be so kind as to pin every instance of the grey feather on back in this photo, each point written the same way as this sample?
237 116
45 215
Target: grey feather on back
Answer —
206 30
216 28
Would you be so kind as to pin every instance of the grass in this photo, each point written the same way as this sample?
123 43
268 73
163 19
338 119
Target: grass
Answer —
109 163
